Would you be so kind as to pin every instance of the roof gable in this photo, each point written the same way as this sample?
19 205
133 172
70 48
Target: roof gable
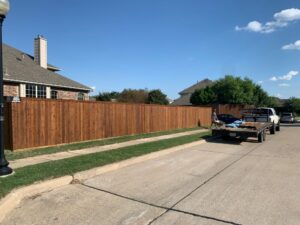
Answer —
184 99
20 67
199 85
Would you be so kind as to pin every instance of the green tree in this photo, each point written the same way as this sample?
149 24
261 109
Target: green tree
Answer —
228 90
273 102
134 96
157 97
293 105
261 97
232 90
203 96
107 96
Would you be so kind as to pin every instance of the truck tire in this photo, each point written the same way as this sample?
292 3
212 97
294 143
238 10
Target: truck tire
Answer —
213 133
243 138
278 127
225 137
272 129
260 137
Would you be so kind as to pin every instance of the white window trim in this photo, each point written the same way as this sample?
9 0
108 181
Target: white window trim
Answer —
48 92
23 90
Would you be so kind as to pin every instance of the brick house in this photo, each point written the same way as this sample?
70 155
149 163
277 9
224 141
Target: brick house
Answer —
32 77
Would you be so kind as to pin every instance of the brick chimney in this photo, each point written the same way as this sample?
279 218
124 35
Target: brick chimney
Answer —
40 51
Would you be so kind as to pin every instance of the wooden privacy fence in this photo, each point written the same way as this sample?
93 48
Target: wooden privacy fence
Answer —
233 109
38 122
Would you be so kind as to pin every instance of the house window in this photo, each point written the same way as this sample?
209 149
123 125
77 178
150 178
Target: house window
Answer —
35 91
41 91
53 94
80 96
30 91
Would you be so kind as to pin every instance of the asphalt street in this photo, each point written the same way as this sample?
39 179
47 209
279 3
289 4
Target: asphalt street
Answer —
211 184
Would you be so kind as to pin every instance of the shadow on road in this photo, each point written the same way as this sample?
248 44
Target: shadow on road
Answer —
220 140
229 140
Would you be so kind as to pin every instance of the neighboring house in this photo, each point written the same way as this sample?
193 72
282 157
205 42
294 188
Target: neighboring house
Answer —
32 77
185 95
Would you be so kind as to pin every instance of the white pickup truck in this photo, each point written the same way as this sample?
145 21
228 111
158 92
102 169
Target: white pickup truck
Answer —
264 114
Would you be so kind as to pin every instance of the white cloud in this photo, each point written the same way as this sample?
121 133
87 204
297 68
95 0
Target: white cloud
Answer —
283 85
289 76
278 95
288 15
281 19
292 46
254 26
260 82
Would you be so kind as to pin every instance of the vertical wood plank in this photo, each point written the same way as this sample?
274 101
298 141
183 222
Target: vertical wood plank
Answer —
41 122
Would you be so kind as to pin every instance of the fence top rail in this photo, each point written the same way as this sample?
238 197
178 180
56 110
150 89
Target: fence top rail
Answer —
105 102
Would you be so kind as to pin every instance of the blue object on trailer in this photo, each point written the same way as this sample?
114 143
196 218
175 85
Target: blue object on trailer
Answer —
235 124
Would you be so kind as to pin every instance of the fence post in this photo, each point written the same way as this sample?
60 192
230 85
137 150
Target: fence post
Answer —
8 139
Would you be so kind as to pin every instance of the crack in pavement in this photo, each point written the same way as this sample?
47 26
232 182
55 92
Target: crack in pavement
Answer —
161 207
205 182
186 196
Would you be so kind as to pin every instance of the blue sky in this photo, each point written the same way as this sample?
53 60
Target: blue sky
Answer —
165 44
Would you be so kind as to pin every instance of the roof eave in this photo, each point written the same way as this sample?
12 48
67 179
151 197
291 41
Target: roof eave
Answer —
52 85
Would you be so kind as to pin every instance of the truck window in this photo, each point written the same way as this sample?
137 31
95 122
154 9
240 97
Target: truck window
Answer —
271 112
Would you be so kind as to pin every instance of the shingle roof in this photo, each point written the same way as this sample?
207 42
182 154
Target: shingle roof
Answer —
20 67
184 99
199 85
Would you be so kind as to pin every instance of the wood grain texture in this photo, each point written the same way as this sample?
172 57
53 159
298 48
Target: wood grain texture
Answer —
40 122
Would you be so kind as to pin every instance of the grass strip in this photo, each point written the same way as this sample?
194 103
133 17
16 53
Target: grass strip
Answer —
87 144
54 169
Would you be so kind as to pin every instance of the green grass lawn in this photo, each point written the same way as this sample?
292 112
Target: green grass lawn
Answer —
54 169
81 145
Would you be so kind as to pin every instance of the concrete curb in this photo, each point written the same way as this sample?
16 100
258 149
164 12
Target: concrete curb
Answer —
8 203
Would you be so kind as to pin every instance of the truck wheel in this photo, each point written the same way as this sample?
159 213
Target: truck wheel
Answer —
265 135
272 129
261 137
278 127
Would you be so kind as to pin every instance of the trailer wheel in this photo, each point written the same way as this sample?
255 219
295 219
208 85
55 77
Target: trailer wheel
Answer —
264 135
278 127
272 129
213 133
225 137
260 137
243 138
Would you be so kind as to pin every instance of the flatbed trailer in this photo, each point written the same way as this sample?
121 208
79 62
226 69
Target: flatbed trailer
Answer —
246 130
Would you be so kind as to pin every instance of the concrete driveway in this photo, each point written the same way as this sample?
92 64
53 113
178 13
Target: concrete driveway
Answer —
213 183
